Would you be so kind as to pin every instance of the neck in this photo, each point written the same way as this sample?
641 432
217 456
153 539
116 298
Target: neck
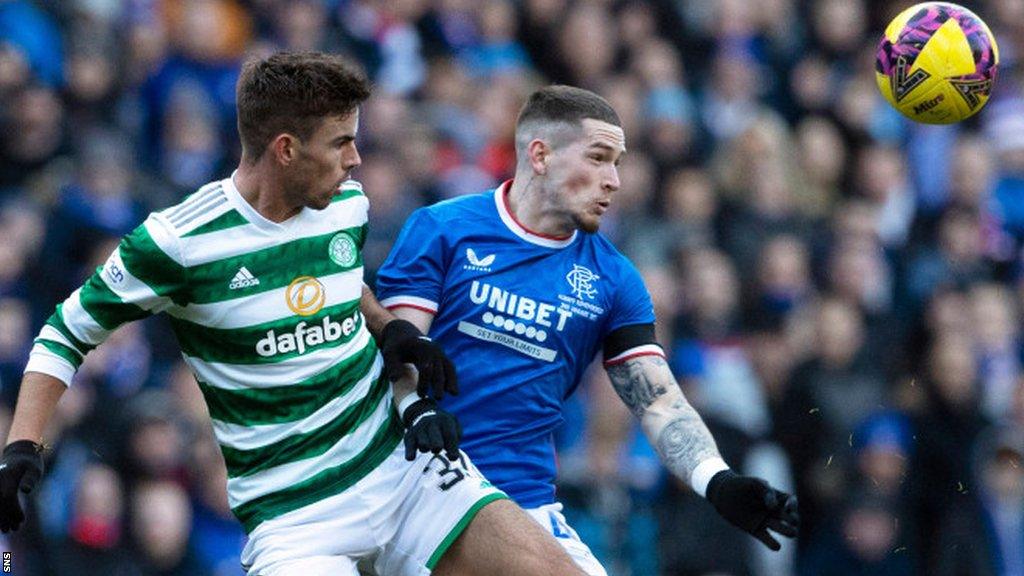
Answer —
264 192
531 206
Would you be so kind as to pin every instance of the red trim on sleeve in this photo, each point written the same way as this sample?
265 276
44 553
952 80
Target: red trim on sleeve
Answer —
617 361
415 307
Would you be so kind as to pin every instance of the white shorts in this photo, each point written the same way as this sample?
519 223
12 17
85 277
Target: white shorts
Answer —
550 517
398 520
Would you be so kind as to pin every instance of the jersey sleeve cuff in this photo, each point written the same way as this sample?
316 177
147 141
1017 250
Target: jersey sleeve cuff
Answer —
410 302
704 472
45 362
636 351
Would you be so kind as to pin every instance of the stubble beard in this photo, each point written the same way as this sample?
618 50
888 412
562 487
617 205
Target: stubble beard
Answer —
588 225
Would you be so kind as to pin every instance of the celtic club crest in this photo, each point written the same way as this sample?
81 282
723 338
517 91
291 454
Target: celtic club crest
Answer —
342 250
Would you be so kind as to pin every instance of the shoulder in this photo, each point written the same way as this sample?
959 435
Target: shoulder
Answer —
194 213
463 207
610 258
454 217
164 231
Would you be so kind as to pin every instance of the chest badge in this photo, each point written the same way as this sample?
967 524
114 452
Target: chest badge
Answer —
581 279
342 250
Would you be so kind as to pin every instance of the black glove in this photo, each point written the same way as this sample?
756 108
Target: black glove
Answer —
21 466
754 506
402 343
430 429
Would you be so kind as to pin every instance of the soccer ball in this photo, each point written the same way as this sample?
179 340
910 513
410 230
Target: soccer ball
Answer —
936 63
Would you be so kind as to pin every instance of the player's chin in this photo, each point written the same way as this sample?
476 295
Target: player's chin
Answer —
319 203
589 223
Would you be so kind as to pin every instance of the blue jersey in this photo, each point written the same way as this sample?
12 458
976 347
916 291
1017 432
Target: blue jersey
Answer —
521 316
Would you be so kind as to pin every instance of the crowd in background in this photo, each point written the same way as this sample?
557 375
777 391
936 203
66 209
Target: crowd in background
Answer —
839 291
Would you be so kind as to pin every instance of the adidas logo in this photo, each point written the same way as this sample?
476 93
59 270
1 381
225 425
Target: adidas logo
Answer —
243 279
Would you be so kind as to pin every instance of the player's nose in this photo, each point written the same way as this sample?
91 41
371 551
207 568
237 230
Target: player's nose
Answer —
611 180
351 159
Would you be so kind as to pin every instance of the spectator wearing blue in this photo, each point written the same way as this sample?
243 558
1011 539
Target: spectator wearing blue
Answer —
37 34
984 534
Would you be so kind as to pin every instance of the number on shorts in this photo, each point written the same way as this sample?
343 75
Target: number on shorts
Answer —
450 475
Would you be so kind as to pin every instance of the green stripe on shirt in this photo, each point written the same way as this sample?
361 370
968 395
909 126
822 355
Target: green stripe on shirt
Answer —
326 483
308 444
256 406
270 342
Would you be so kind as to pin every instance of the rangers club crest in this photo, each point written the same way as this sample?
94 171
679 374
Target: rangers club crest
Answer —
581 279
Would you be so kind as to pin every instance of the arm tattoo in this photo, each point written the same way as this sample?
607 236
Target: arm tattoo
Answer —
637 384
684 442
672 424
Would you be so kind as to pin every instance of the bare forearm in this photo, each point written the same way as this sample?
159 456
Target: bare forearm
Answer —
37 401
376 315
649 389
679 434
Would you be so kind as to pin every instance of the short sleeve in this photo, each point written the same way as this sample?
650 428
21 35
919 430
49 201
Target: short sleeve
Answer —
413 273
632 303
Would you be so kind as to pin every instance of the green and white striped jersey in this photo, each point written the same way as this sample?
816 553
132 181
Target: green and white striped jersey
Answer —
267 316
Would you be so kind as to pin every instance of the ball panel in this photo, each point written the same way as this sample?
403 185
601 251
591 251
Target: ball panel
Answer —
933 103
883 86
936 63
892 31
947 52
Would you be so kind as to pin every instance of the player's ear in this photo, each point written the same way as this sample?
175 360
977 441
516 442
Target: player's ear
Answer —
539 152
284 148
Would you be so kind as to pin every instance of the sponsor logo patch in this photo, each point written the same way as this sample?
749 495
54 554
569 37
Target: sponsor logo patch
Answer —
305 296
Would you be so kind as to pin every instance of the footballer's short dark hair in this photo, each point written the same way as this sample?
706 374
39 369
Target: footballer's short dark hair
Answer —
568 104
292 92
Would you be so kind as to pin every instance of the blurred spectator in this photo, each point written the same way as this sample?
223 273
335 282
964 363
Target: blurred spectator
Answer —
783 279
36 35
216 535
957 259
759 178
92 70
945 431
998 347
587 43
730 100
95 543
1004 132
867 538
688 220
822 158
161 518
881 178
16 319
830 393
497 53
154 442
35 114
882 446
709 351
981 536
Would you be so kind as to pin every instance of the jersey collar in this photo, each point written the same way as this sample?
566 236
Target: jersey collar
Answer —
517 228
250 213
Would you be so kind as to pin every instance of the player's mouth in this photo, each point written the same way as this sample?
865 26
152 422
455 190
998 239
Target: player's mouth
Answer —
602 206
337 187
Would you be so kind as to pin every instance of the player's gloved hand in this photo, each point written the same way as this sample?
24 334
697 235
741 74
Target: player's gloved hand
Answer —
401 342
21 466
430 429
754 506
